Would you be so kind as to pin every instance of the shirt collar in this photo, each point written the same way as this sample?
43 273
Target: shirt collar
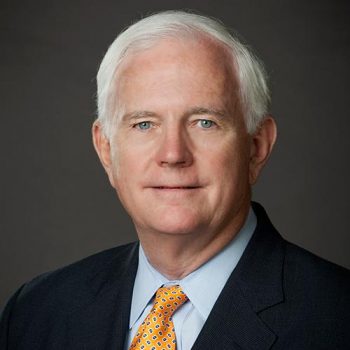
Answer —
205 278
147 281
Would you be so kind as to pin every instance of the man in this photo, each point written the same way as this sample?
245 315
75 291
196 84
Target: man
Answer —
183 133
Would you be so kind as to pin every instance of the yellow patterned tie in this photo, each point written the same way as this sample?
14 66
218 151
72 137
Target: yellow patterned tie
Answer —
157 330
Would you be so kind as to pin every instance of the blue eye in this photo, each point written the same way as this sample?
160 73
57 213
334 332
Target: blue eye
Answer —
143 125
206 124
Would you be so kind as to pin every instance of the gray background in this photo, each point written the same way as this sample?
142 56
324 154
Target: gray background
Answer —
56 203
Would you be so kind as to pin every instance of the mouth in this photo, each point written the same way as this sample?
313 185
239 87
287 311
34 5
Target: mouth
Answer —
175 187
175 192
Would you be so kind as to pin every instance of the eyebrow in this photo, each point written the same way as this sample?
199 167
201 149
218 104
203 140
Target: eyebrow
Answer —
207 110
138 115
192 111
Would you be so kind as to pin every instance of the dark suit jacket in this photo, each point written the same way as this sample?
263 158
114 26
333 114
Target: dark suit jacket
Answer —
278 297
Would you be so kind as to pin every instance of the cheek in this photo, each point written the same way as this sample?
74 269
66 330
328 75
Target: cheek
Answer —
121 164
130 166
231 164
125 171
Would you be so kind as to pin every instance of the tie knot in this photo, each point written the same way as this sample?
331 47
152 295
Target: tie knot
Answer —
168 299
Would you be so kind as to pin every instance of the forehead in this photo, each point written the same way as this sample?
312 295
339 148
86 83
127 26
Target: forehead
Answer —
195 68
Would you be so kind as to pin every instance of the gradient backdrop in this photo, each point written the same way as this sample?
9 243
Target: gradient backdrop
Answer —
56 203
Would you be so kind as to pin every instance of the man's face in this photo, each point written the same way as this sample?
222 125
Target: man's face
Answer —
179 156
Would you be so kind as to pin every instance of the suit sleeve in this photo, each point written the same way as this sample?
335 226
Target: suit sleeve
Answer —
5 321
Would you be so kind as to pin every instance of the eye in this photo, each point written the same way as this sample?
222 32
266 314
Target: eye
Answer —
205 123
143 125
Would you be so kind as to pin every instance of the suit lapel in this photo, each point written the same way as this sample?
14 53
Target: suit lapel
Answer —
254 286
233 324
101 322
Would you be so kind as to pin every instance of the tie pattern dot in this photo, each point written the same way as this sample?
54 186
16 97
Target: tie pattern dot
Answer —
157 330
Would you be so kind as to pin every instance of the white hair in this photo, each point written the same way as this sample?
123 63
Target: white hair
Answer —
252 78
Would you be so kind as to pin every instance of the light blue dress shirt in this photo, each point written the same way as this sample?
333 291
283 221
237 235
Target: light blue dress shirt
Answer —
202 287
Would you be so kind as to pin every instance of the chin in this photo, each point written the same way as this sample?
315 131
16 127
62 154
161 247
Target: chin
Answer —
176 222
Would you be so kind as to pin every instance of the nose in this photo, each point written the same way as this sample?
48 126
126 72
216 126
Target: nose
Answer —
174 150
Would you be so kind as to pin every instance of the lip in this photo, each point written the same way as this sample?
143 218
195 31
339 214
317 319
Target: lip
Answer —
175 187
171 191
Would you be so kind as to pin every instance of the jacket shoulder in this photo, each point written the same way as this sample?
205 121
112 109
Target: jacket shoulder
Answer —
303 268
38 311
63 289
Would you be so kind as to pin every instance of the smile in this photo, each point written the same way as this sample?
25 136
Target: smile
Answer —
174 191
176 187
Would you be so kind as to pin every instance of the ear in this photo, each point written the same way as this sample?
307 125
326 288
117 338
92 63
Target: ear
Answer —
261 146
103 149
